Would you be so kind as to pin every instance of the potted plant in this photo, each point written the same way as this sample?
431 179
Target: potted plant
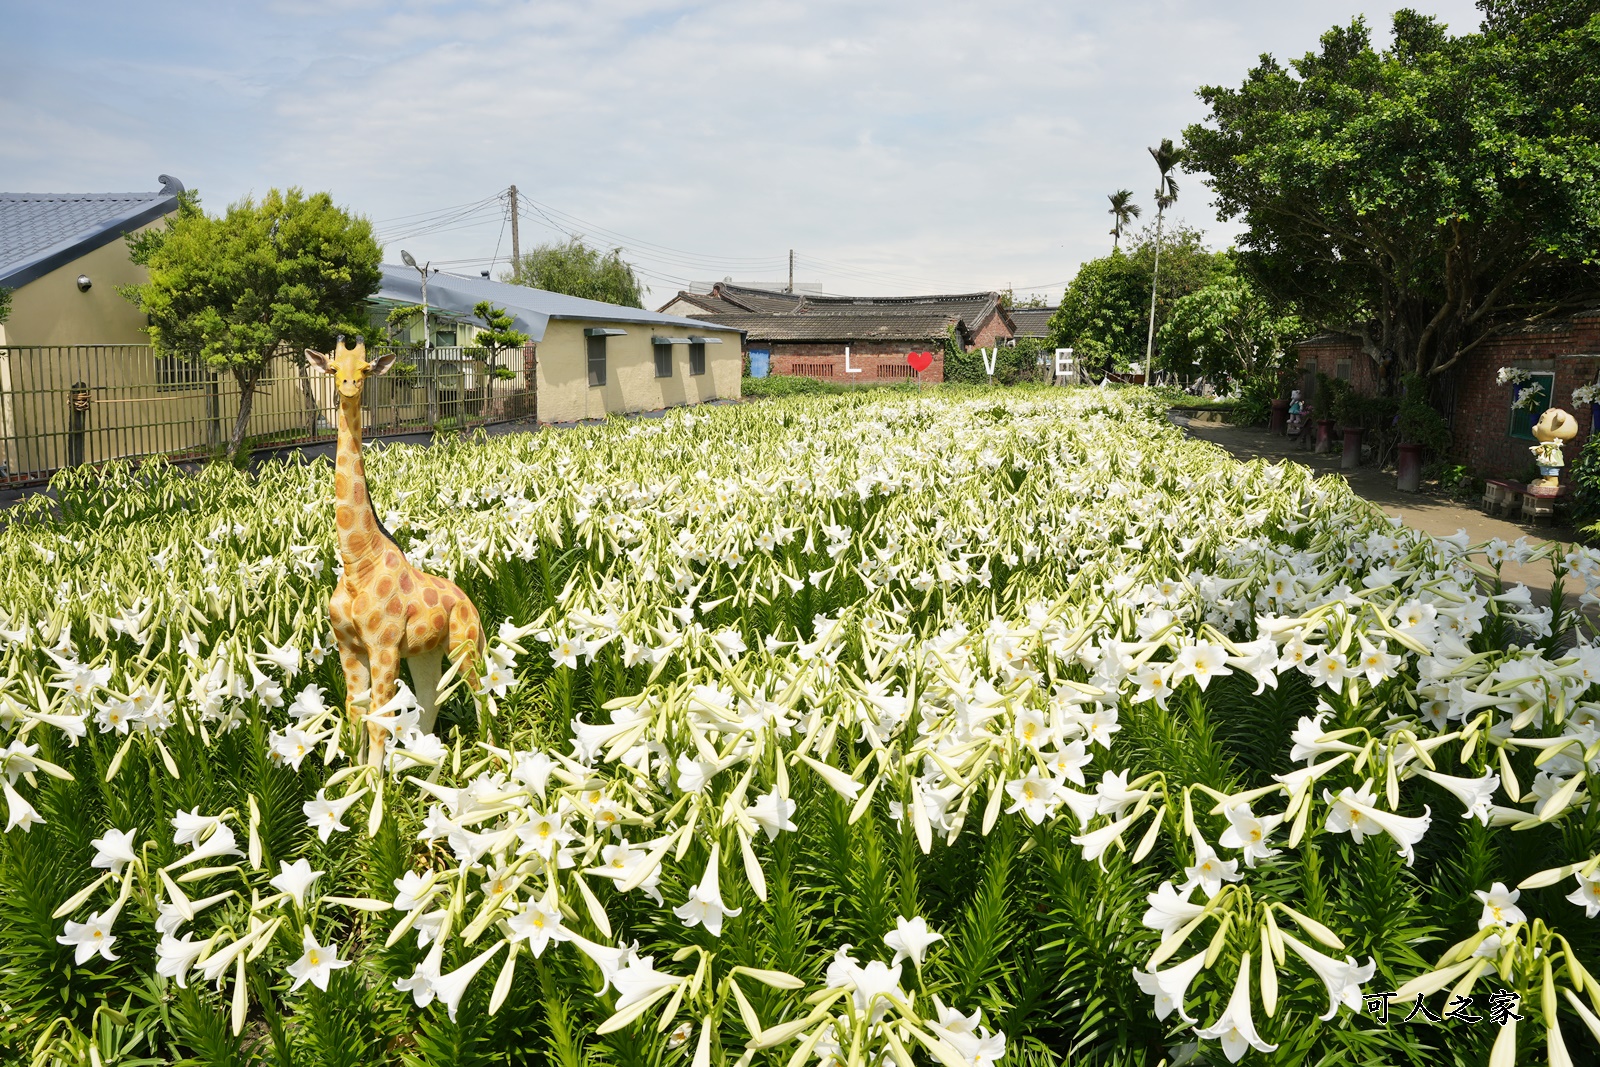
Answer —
1422 430
1589 394
1322 411
1348 413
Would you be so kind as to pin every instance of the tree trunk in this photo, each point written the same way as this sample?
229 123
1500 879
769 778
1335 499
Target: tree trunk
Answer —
310 399
1155 277
247 377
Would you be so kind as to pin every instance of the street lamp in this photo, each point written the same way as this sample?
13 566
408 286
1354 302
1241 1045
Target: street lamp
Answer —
427 340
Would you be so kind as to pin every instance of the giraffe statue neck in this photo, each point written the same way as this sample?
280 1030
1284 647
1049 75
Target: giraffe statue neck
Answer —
361 542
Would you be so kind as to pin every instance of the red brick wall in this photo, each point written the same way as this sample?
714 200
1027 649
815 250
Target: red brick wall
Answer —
1481 420
993 331
877 361
1325 355
1483 407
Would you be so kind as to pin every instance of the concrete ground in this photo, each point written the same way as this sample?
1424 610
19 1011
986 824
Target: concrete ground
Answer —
1428 512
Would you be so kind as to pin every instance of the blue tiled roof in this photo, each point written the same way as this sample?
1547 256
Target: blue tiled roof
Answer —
42 231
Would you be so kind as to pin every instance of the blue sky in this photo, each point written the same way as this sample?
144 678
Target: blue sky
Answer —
898 146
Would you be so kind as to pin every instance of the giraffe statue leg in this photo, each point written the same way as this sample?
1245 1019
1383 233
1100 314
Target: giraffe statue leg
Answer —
352 657
466 642
425 670
385 674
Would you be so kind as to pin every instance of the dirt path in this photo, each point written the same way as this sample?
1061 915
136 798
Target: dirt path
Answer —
1430 513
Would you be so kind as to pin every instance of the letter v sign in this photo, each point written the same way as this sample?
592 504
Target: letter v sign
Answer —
989 355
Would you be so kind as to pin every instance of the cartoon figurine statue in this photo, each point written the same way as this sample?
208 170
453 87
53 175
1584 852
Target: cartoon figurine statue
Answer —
1554 428
1297 412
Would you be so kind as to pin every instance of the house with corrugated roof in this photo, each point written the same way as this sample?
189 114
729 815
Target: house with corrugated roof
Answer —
62 257
584 359
845 338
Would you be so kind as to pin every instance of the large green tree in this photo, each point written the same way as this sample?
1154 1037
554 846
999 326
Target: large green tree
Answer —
1423 197
236 290
576 269
1228 332
1104 313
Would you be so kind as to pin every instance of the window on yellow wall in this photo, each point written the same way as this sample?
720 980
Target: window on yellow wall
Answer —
663 360
597 359
697 357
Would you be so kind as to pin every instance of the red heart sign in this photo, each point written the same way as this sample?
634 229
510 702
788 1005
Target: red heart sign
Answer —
920 361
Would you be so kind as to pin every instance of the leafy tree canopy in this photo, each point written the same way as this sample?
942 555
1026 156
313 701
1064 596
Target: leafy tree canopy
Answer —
232 291
578 270
498 334
1228 332
1104 313
1421 197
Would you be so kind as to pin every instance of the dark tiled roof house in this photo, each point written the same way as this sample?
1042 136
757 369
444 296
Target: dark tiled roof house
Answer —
806 334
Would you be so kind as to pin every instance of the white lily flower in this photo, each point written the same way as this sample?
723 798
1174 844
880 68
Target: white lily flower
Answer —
1587 895
174 957
1171 986
773 813
1210 870
1249 832
873 984
538 925
1475 794
316 963
1343 979
1170 908
21 813
114 851
448 988
910 939
1354 813
1500 906
294 879
326 815
705 905
1201 661
638 979
1236 1028
1032 795
91 938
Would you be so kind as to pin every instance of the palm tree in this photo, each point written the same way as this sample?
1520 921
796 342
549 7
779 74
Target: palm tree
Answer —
1168 158
1123 212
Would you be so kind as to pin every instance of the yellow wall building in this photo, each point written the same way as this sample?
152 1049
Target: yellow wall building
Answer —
78 380
588 359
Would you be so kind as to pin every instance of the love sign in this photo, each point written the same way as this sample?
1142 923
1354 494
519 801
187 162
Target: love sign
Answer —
920 361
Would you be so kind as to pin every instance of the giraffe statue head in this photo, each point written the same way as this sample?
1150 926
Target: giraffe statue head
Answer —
349 365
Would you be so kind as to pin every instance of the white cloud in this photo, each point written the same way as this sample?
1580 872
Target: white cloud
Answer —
896 146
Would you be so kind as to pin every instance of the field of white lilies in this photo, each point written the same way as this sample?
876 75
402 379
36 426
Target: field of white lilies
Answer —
957 729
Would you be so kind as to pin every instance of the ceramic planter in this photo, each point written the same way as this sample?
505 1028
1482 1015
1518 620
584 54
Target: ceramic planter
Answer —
1324 435
1352 448
1410 464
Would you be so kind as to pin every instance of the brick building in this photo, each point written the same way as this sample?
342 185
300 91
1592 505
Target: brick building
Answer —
1489 437
806 334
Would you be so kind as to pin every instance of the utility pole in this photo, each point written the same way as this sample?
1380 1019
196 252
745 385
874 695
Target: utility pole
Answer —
516 243
791 272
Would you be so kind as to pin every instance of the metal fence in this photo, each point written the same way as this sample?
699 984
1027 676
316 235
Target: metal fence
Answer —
67 405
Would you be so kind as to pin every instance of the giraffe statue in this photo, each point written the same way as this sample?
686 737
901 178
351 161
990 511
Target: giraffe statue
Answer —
384 609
